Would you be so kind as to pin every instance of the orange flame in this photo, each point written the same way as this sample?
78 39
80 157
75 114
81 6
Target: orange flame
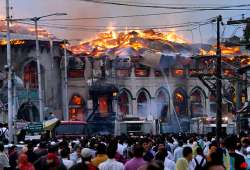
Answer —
128 39
224 50
12 42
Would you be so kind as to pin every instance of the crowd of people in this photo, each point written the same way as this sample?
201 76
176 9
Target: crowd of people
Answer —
147 152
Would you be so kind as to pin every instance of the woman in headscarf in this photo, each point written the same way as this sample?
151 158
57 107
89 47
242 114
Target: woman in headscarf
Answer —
24 164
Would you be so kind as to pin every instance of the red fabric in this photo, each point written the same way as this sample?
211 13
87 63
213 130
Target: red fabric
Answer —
243 165
23 163
52 156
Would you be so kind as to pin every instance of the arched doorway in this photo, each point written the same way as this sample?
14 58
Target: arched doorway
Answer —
30 75
180 102
197 103
124 102
28 112
76 108
142 103
162 104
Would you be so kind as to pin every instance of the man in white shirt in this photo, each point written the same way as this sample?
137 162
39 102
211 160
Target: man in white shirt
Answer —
168 163
65 158
178 151
111 163
199 159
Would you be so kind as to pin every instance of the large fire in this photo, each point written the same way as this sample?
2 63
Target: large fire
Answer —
224 50
113 42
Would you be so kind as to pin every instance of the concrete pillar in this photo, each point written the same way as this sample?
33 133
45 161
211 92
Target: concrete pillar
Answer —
152 72
132 72
134 107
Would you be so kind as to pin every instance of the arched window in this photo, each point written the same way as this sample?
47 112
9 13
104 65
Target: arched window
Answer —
162 104
124 102
142 103
180 102
76 108
197 103
28 112
30 75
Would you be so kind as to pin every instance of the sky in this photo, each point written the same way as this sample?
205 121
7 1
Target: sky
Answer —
78 8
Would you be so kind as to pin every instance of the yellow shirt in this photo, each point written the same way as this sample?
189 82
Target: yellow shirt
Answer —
182 164
99 159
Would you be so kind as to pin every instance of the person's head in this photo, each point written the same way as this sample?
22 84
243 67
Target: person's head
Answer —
52 160
78 151
155 165
43 145
22 159
1 147
213 147
111 151
101 149
65 153
188 153
180 143
161 148
86 154
138 151
146 145
199 151
244 142
231 143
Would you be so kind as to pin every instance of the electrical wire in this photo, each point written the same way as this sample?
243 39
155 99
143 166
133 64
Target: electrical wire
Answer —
165 7
127 16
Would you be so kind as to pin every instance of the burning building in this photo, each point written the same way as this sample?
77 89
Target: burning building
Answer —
25 75
148 76
138 79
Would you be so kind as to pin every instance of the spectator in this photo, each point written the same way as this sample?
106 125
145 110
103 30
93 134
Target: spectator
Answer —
65 158
101 155
137 161
24 164
13 156
85 164
76 155
199 161
4 160
168 163
111 163
237 161
148 155
32 157
178 151
53 163
183 163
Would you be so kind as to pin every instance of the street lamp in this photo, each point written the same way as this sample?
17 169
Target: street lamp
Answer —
36 19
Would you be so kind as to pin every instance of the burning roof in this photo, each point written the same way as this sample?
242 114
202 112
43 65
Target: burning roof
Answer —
131 43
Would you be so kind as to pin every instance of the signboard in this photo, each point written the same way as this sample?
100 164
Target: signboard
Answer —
35 127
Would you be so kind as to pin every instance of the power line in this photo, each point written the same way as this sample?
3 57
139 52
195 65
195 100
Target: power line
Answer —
124 29
130 16
165 7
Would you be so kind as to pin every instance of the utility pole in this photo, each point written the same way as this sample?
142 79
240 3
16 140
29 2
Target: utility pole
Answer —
218 82
9 67
66 81
40 96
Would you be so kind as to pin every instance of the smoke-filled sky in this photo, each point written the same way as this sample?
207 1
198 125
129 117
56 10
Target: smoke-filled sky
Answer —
78 8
